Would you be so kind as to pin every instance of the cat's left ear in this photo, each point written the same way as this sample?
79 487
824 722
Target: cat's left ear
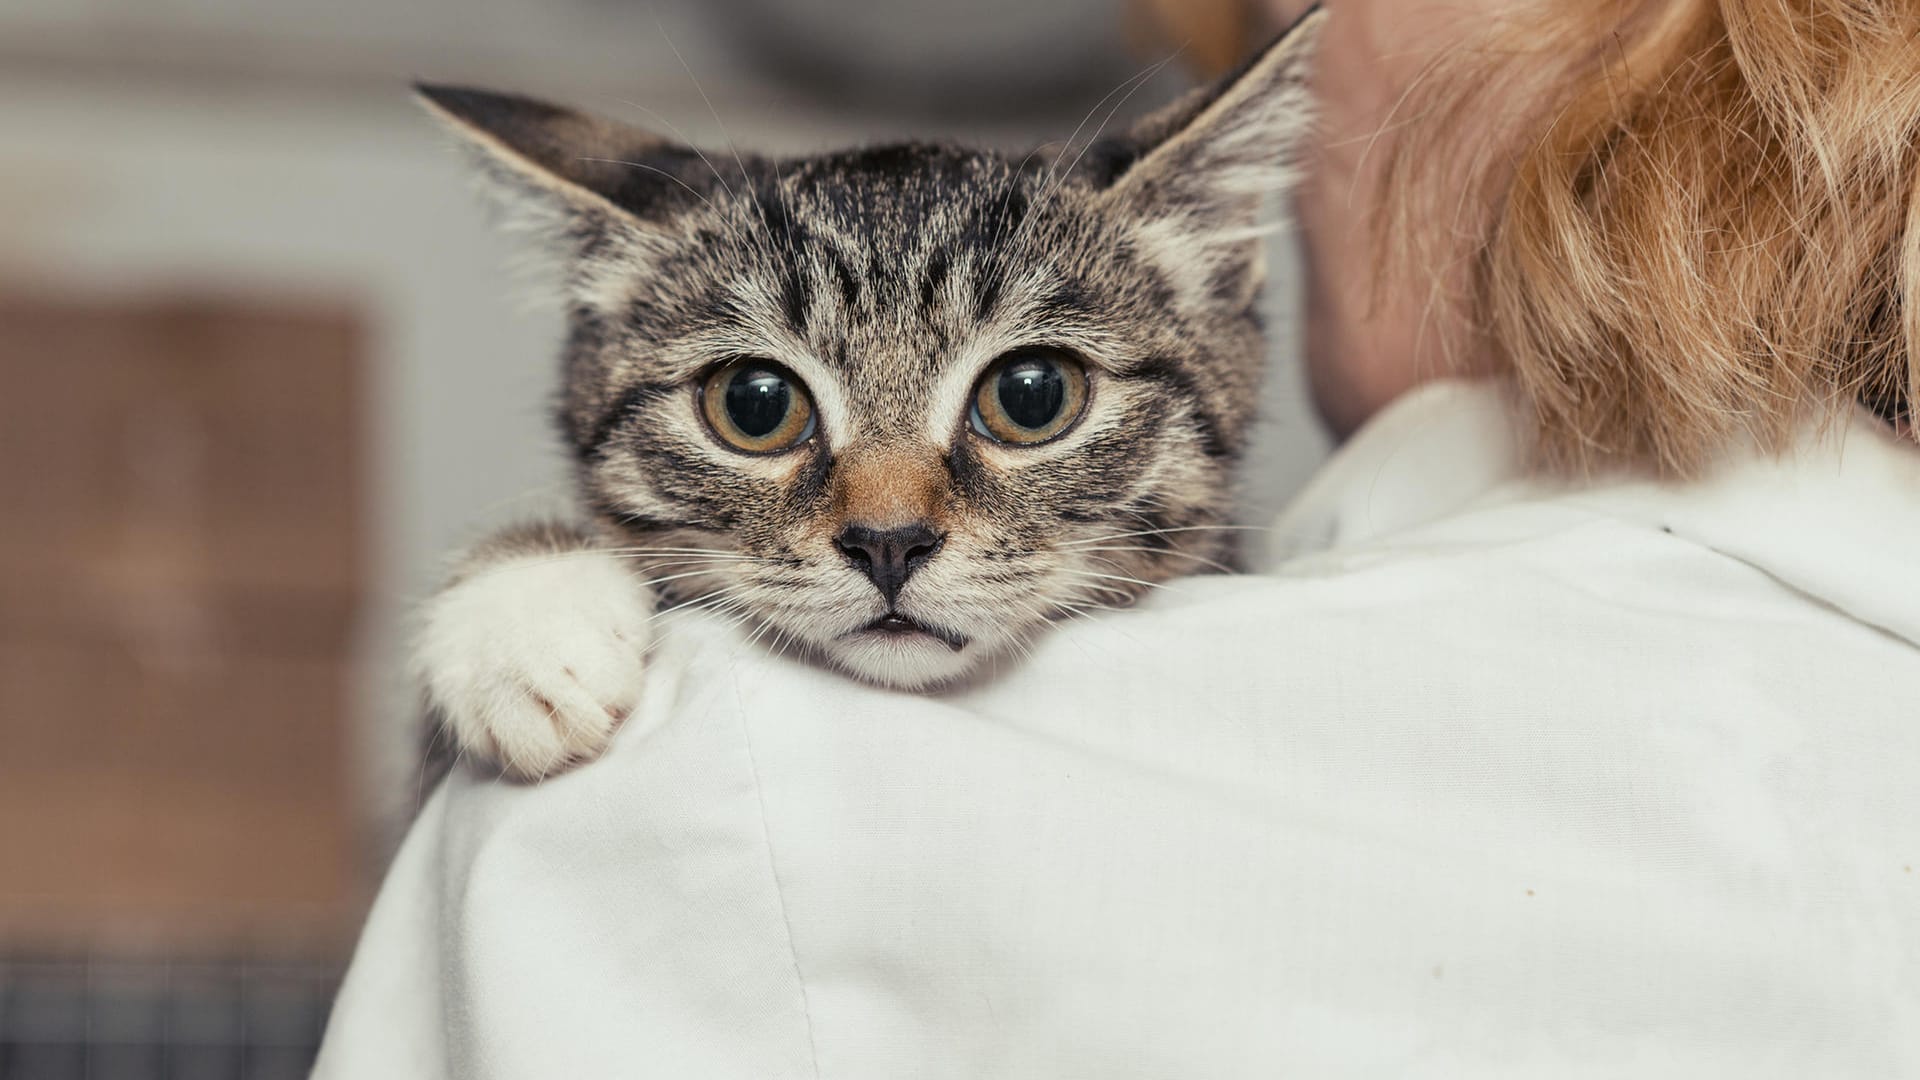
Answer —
1210 159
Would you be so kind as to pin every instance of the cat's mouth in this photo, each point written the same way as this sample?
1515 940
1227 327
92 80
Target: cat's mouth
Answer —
895 625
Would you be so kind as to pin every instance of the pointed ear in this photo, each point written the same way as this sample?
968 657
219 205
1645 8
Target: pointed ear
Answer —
1215 154
569 166
600 195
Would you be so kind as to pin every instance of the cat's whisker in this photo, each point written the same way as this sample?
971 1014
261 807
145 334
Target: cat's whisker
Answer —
1005 252
681 135
654 169
639 550
1006 197
695 80
643 569
654 562
785 642
583 553
737 611
1118 575
1138 82
1081 612
746 178
731 617
1114 577
1126 85
1070 544
759 633
1173 552
1095 585
1020 643
702 569
701 599
786 205
728 609
1055 180
1110 562
518 561
668 553
1094 592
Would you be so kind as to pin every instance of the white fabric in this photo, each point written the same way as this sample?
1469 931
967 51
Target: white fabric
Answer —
1483 778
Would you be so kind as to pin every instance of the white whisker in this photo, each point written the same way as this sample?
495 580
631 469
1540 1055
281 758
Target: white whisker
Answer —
746 178
1174 552
1056 180
681 135
1112 577
1165 532
654 169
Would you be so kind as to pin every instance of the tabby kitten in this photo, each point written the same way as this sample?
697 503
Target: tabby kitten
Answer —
896 408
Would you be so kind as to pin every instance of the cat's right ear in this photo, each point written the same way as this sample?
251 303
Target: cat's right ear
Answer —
574 175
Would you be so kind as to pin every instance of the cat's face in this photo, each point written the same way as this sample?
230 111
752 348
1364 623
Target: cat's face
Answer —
902 407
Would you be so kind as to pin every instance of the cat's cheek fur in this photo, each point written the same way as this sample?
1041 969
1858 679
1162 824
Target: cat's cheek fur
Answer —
534 662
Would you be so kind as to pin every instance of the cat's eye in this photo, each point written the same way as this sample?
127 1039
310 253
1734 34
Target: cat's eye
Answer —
1029 396
756 406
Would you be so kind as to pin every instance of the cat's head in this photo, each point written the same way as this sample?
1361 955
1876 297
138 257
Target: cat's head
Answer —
903 406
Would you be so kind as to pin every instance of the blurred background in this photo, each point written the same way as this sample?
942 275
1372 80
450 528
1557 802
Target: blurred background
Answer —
263 363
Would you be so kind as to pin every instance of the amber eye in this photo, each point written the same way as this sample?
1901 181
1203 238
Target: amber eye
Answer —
1029 396
756 406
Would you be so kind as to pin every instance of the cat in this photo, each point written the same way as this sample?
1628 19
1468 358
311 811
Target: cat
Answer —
895 408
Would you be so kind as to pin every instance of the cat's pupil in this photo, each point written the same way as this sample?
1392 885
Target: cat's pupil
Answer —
758 401
1032 392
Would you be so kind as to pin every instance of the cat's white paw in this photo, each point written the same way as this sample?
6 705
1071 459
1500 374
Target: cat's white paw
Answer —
535 661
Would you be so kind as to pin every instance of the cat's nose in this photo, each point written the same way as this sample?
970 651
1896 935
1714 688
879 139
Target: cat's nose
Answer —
889 556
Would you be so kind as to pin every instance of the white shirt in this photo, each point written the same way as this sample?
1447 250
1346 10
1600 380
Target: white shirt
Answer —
1483 777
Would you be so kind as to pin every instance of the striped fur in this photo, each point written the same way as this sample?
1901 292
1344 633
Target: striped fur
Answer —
888 279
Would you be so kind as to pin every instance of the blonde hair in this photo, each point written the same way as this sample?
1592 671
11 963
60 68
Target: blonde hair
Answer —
1703 223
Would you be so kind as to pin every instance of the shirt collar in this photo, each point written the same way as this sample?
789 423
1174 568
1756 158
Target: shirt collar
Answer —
1435 450
1836 516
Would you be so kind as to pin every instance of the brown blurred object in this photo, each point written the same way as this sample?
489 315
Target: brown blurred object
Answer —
180 558
1213 35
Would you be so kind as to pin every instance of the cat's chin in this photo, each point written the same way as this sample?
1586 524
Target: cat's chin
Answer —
905 659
